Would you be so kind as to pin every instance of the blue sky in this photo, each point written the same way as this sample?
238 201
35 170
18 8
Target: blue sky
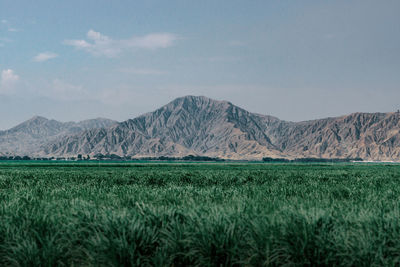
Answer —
297 60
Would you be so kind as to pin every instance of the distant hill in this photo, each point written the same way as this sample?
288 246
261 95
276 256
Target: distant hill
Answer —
371 136
28 137
201 126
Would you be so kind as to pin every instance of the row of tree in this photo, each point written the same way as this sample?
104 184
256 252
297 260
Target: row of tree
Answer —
81 157
267 159
14 158
186 158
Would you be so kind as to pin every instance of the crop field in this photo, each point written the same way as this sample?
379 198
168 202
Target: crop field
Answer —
216 214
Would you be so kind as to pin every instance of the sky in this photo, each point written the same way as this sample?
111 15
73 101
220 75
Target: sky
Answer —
296 60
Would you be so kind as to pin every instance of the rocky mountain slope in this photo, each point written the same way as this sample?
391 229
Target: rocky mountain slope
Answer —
371 136
202 126
188 125
27 137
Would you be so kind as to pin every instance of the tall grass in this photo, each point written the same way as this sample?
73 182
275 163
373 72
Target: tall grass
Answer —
199 214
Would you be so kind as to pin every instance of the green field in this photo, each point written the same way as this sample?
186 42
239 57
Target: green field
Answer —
90 214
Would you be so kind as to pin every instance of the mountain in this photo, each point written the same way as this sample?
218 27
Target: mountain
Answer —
187 125
27 137
371 136
202 126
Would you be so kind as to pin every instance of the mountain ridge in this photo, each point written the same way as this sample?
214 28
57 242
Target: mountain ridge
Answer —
27 137
201 126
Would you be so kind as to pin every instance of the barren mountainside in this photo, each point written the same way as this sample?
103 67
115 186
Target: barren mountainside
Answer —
202 126
27 137
371 136
188 125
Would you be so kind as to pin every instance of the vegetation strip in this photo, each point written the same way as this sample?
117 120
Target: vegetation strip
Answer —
199 214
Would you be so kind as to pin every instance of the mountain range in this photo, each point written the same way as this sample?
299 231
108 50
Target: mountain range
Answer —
28 137
197 125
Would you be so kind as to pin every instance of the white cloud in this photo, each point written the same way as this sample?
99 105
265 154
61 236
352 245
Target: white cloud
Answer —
13 30
8 76
44 56
102 45
4 21
96 36
151 41
8 81
78 43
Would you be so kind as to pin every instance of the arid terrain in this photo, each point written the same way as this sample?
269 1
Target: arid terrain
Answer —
197 125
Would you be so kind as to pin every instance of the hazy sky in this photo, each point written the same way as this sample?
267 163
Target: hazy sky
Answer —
297 60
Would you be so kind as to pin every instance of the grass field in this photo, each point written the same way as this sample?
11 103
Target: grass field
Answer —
199 214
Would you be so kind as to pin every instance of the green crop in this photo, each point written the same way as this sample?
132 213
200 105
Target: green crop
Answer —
64 214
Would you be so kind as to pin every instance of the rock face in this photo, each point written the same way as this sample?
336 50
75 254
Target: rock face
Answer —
28 137
206 127
371 136
188 125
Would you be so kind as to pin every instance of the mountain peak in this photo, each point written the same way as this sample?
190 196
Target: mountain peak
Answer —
37 118
27 137
191 99
35 121
194 102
